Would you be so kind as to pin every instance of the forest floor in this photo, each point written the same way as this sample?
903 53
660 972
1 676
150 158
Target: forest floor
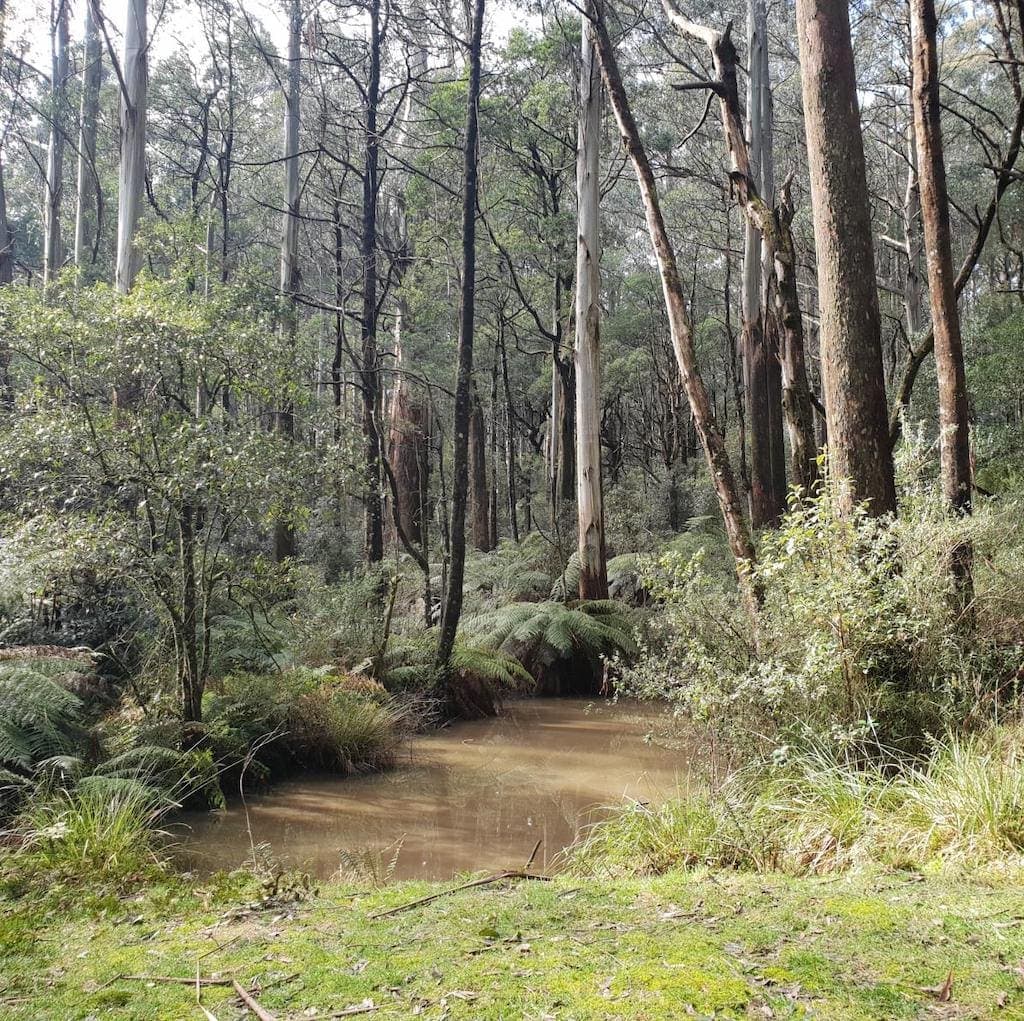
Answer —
703 945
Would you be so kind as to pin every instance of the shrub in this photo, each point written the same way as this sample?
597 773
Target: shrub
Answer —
857 634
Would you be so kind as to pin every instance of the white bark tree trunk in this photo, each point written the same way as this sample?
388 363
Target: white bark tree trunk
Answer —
589 494
284 534
87 189
53 248
132 174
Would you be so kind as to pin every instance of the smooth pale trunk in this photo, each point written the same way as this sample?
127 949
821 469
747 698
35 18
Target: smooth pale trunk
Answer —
53 247
131 176
589 496
284 535
87 185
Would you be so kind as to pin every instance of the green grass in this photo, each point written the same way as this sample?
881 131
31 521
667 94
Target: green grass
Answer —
721 945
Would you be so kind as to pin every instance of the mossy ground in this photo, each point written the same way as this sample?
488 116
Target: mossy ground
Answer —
711 945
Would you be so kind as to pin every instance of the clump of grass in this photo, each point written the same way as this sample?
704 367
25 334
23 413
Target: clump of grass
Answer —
817 813
104 829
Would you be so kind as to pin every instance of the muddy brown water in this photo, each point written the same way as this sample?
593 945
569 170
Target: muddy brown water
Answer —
476 795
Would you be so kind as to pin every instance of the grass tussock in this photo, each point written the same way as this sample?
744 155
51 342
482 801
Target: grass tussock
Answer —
963 808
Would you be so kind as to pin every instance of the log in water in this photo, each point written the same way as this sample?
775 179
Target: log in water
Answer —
476 795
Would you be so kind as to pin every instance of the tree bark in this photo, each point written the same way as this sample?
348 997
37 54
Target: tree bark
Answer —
679 323
88 195
464 377
954 425
589 489
284 532
370 382
774 227
860 457
479 501
60 45
132 173
760 358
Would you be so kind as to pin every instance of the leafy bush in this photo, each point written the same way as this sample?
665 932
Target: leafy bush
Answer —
857 634
478 681
39 717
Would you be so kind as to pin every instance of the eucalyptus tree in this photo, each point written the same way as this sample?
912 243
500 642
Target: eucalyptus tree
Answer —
88 191
954 425
860 456
589 486
133 77
60 70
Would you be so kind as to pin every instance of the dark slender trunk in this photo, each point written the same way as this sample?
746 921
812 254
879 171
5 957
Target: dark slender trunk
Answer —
464 379
369 370
954 425
479 505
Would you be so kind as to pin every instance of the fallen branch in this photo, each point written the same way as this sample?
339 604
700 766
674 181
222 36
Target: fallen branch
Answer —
174 980
263 1015
487 881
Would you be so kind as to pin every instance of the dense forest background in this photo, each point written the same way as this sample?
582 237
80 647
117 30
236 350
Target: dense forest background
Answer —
335 349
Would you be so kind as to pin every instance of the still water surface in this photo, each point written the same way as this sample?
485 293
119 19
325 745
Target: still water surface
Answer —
477 795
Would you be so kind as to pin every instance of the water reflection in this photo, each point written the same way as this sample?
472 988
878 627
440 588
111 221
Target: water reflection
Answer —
478 795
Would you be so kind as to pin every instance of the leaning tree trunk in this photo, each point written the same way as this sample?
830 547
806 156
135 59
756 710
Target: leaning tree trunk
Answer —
464 377
60 44
589 492
860 457
132 174
284 533
679 324
954 438
87 192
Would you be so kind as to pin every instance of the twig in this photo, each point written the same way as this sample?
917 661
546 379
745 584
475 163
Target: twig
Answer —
263 1015
174 980
533 855
496 878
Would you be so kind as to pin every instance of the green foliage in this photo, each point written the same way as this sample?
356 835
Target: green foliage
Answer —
561 646
301 719
479 678
814 811
857 634
39 718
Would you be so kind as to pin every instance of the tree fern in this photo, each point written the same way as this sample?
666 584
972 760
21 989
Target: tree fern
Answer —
560 645
38 717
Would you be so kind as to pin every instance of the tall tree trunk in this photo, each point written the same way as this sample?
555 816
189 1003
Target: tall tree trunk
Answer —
589 491
369 367
60 45
87 192
851 349
679 324
954 439
479 505
132 175
409 416
774 227
912 291
284 533
760 360
464 379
